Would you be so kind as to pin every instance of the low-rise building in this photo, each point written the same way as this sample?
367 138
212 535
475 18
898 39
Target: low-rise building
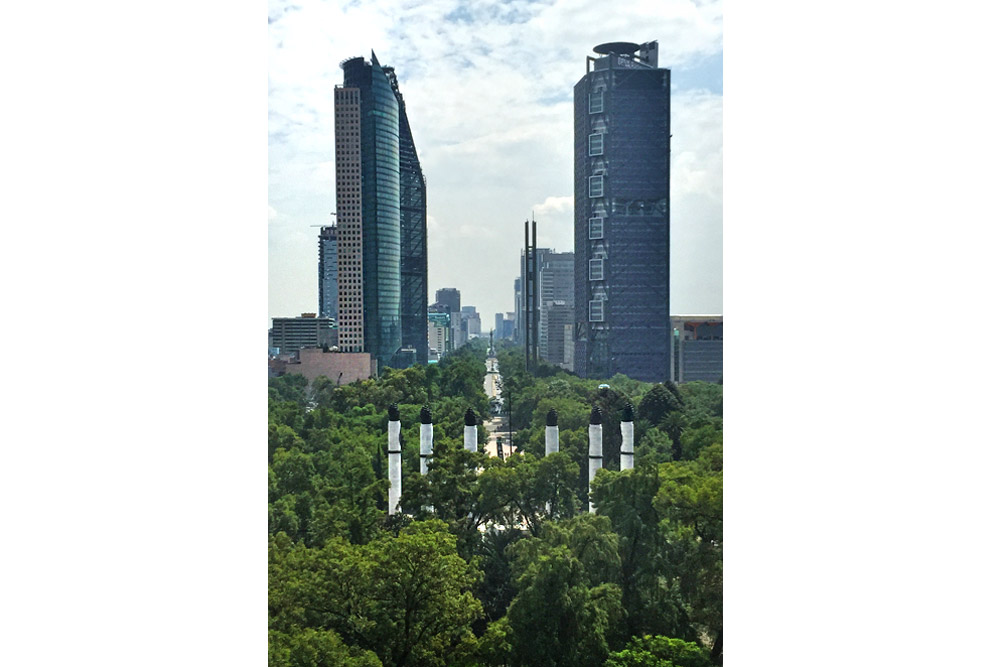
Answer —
289 334
697 348
341 367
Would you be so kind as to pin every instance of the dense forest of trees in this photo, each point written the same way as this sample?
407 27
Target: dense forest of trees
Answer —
508 568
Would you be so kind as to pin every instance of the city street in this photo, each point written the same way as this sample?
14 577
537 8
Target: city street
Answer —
496 427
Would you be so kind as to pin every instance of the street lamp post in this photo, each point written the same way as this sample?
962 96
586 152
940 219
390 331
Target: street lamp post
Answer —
510 419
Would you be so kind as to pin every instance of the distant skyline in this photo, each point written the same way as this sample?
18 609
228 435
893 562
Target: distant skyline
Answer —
489 91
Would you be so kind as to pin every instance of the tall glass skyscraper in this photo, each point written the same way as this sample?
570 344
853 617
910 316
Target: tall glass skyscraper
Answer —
622 214
378 176
412 235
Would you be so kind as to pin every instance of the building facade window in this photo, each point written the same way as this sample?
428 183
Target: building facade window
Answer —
597 144
597 269
597 102
597 310
596 186
597 228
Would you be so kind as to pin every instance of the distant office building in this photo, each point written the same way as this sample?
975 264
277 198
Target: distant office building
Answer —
451 298
555 286
381 211
558 316
439 330
289 334
473 324
503 326
697 348
622 214
328 272
555 283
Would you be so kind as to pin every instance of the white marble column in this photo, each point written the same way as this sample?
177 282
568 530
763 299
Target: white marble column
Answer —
628 429
471 431
395 460
426 439
596 449
551 433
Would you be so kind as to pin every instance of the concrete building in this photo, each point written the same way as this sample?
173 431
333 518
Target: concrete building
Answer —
555 294
381 210
439 331
503 326
555 283
350 237
697 348
289 334
622 214
509 326
341 367
473 324
328 272
558 318
451 299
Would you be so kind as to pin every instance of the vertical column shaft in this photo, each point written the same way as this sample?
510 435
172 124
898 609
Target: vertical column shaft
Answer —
395 467
472 438
596 456
627 454
426 446
551 440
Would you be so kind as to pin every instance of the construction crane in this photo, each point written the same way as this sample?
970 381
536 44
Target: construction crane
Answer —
333 213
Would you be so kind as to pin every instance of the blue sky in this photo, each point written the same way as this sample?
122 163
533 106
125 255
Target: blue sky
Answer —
488 87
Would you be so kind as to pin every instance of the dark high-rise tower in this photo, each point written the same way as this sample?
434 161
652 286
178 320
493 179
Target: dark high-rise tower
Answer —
622 214
328 272
451 297
381 210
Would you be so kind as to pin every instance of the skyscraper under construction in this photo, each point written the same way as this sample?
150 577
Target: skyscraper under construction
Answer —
381 219
622 214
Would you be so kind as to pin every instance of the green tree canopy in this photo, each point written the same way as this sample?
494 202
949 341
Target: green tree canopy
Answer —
408 599
658 651
565 611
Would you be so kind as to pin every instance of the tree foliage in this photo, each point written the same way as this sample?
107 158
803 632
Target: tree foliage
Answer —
658 651
408 599
493 561
567 609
